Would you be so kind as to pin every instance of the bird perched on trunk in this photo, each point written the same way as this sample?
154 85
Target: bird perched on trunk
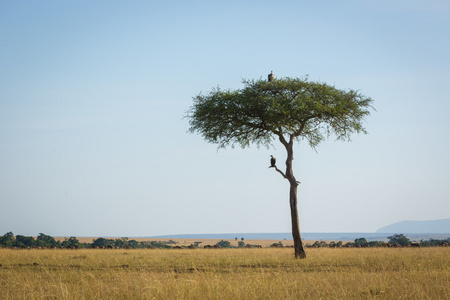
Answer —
273 161
271 76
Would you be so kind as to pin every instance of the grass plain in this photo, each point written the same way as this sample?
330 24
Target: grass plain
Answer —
381 273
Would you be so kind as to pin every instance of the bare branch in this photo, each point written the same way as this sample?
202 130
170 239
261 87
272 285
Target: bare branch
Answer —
279 171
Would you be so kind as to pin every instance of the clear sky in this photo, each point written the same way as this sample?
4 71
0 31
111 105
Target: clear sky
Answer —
93 93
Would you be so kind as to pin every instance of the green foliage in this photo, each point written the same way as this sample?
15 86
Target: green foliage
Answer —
158 244
122 242
24 241
333 244
263 111
46 240
134 244
433 242
125 242
375 244
71 242
102 242
320 244
399 239
360 241
21 241
224 244
241 244
7 240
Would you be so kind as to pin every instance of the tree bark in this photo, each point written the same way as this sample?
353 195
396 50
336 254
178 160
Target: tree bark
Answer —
298 245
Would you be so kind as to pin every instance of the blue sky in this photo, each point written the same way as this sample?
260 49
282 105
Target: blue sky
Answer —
92 98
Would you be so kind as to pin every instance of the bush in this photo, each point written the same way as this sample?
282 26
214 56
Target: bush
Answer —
44 240
224 244
320 244
158 244
102 242
27 241
72 242
361 241
399 239
7 240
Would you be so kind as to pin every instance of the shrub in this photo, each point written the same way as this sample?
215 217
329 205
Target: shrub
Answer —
224 244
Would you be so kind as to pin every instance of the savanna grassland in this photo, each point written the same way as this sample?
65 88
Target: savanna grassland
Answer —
382 273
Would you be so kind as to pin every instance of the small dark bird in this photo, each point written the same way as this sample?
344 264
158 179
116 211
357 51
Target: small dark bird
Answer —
271 76
273 161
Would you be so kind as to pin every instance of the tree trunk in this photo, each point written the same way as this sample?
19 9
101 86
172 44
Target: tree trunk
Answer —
298 245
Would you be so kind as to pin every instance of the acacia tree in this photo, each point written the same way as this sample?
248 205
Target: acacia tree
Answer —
287 110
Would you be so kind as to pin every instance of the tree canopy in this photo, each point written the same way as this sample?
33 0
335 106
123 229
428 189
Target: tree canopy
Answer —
287 108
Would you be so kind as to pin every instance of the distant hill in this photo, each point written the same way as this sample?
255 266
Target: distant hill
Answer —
414 230
431 226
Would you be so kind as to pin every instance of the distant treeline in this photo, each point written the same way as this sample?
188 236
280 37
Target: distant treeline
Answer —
396 240
46 241
8 240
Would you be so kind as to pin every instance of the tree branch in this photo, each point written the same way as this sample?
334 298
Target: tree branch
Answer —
283 140
279 171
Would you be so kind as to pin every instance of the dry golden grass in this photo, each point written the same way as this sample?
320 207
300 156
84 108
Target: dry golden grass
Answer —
225 274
